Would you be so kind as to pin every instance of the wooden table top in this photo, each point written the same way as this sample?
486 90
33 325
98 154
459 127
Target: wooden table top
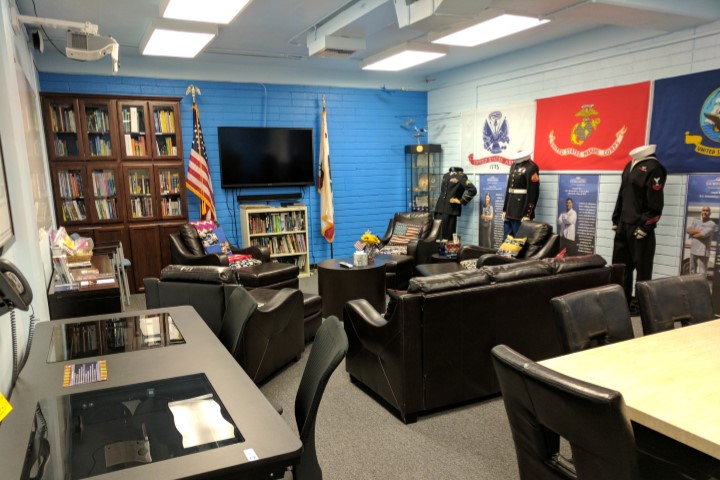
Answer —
670 381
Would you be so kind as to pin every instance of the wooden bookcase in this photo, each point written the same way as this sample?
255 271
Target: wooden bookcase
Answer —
282 229
118 173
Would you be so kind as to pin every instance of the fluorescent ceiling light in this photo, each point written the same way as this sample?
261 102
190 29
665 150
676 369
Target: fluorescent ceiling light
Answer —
173 38
210 11
490 30
403 56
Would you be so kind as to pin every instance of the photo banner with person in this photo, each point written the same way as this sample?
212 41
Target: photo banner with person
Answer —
491 191
577 213
592 130
490 136
686 122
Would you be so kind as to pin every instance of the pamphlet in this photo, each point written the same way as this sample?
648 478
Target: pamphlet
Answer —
89 372
200 421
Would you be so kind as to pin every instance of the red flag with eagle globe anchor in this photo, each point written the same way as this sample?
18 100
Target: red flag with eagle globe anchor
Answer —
592 130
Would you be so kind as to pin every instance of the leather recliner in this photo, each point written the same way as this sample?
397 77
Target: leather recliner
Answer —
186 249
273 336
541 242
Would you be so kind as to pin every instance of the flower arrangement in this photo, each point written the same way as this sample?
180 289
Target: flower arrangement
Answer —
370 244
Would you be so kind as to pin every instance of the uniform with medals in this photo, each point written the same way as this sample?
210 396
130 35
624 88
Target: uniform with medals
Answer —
455 185
637 210
521 196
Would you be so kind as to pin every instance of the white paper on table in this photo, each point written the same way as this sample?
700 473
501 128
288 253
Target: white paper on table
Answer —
199 421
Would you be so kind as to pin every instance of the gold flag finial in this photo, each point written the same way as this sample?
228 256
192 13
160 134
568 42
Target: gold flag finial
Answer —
192 90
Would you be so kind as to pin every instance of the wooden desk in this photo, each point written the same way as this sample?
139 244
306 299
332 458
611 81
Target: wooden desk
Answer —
670 381
275 444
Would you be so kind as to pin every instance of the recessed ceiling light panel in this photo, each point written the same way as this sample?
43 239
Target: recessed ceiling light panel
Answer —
489 30
172 38
210 11
403 56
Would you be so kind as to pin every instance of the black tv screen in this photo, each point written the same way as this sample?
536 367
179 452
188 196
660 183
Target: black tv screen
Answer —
265 156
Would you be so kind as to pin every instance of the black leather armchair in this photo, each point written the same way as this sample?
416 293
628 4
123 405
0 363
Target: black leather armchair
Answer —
186 249
541 243
421 248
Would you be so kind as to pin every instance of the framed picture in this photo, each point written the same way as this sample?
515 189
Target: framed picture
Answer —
6 226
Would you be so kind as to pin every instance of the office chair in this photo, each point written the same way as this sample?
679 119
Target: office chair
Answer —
543 405
664 301
328 350
592 317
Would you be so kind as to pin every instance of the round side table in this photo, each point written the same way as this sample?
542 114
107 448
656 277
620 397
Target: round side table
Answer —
338 284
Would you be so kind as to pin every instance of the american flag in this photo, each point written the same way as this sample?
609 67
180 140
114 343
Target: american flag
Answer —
324 186
198 176
403 233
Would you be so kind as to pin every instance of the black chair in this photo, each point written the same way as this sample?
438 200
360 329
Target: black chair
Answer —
240 307
593 317
186 249
541 243
543 405
328 350
685 299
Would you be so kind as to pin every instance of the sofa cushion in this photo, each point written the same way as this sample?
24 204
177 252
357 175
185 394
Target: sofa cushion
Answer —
191 239
470 264
448 281
509 272
572 264
511 246
198 273
537 234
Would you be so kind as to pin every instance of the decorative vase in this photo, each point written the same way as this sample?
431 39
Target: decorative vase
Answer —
371 252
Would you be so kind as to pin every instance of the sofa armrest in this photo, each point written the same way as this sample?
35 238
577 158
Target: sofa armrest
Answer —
550 249
490 259
256 251
468 252
182 256
152 292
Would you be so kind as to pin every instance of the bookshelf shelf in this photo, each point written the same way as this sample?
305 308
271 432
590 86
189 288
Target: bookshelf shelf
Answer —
281 229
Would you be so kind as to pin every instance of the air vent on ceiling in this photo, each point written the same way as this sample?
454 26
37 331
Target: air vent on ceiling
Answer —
335 47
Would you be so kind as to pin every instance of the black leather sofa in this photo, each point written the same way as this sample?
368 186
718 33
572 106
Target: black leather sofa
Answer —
432 349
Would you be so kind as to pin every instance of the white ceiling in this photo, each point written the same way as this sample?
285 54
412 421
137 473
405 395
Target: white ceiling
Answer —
268 40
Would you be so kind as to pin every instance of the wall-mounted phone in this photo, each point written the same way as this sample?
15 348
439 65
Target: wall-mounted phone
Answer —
14 289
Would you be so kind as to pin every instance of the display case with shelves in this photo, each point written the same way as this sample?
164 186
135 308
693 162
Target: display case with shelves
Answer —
61 126
70 183
171 190
424 167
282 229
106 197
140 186
166 128
98 120
133 129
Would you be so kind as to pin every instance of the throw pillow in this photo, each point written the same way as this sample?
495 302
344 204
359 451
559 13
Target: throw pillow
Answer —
511 246
469 264
403 233
394 250
238 261
212 237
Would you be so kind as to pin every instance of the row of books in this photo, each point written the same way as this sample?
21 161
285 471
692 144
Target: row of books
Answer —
73 210
169 181
277 222
65 147
104 183
170 207
62 118
139 184
106 208
97 121
135 145
70 182
164 121
133 120
300 261
165 146
100 146
285 244
141 207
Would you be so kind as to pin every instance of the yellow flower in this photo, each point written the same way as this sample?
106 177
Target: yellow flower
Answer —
370 239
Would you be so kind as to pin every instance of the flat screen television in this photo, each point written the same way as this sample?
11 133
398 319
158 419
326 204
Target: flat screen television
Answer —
265 156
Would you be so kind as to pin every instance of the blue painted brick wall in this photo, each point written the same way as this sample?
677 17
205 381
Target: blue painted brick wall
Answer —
366 143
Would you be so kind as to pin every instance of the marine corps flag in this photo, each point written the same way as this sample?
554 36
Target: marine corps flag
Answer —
324 185
593 130
198 176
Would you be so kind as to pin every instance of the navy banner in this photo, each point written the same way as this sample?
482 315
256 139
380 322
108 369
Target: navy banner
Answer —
577 213
492 197
686 122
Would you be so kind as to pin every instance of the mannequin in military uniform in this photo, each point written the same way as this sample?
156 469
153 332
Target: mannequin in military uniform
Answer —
637 210
456 190
523 190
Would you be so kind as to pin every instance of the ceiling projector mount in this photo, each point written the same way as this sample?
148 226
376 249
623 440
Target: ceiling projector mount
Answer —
83 41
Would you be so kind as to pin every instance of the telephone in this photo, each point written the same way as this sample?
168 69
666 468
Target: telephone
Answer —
14 289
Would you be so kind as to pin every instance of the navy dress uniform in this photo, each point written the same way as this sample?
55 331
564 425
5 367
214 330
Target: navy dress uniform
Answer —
637 210
455 185
521 196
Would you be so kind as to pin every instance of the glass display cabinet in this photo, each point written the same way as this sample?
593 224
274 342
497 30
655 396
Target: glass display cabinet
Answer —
424 167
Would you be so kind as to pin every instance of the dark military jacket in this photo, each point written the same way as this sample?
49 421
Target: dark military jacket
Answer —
455 184
523 190
641 198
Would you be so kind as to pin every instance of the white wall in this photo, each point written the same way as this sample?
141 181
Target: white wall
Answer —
28 251
599 58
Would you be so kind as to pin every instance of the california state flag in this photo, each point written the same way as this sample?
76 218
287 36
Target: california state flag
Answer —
324 185
593 130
